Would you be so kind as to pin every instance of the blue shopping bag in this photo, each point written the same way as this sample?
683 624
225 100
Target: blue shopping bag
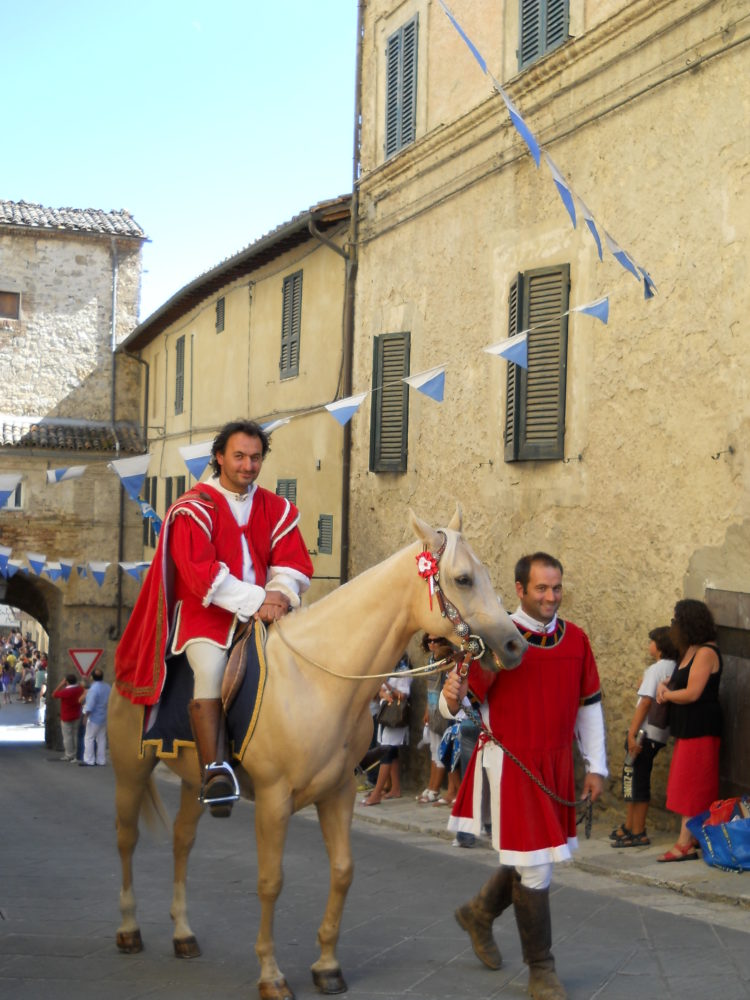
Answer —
724 845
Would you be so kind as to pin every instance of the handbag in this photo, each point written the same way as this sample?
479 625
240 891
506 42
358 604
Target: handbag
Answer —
394 714
658 715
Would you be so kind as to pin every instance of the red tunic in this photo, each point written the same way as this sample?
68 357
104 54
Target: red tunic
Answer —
200 533
532 711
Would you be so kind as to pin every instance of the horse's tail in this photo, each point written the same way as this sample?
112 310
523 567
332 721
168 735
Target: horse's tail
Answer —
154 814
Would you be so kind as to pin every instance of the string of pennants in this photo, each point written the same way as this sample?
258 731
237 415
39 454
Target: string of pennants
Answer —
431 382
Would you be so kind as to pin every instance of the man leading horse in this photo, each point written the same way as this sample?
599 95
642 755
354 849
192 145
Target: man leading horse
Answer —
228 551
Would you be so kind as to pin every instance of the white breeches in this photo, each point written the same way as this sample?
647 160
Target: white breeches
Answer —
207 662
535 876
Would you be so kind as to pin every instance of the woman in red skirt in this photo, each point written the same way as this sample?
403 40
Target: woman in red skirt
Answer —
694 719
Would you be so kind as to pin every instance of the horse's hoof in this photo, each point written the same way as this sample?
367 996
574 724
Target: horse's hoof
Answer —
275 989
329 981
129 942
186 947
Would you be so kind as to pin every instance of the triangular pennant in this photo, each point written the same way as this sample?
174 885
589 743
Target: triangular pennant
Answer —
472 47
98 571
72 472
36 560
514 349
196 457
5 551
563 189
621 256
13 567
598 309
8 484
81 570
132 569
589 220
521 127
273 425
430 382
649 288
344 409
132 472
53 570
66 568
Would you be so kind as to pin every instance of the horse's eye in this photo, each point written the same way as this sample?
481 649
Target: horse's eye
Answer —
464 581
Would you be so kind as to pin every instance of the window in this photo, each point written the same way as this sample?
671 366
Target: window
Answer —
291 319
15 500
287 488
179 379
174 487
535 398
219 315
149 495
325 534
389 420
401 88
543 26
10 305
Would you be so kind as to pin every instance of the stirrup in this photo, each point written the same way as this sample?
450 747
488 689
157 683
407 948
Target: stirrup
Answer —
216 770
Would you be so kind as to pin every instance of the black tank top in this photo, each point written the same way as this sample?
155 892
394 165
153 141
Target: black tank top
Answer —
701 717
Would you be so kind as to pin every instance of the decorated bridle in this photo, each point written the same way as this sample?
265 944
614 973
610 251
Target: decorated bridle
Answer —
428 567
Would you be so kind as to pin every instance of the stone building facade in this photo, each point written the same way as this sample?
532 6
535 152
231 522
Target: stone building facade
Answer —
69 293
624 451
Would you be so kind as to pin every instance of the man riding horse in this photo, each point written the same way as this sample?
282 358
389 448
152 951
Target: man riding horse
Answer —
228 551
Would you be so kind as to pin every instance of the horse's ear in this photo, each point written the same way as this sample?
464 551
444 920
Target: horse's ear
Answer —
457 520
427 535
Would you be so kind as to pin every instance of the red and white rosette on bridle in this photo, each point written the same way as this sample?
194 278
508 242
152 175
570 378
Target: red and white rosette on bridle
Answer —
427 567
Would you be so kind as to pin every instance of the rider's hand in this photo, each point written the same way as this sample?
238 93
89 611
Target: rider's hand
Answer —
275 606
593 786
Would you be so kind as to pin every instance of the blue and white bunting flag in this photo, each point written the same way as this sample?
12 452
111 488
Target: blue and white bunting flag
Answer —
430 382
53 570
196 457
66 567
36 560
521 127
81 570
563 189
621 256
98 571
8 486
588 218
132 472
514 349
649 288
72 472
5 551
133 569
13 567
344 409
599 309
273 425
471 46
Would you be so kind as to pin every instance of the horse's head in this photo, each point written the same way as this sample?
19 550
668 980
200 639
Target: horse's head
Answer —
463 585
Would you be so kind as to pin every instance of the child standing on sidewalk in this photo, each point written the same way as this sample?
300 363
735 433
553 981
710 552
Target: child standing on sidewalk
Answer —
642 744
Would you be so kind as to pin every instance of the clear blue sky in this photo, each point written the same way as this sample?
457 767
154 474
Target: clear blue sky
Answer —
211 121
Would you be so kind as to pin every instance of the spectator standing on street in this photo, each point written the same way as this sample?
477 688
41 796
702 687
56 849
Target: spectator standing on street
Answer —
95 710
69 692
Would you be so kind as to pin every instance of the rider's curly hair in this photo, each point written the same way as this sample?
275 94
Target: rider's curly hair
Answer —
249 427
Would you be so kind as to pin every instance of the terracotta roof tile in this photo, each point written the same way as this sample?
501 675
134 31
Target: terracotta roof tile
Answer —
82 220
68 435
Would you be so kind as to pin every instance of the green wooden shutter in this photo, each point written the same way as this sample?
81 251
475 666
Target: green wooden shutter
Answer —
287 488
220 315
325 534
389 421
543 25
401 87
168 488
513 374
291 324
179 384
179 484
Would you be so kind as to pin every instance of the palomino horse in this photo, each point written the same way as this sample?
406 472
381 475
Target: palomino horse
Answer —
359 630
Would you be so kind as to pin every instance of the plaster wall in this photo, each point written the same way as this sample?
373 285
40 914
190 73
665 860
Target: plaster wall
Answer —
642 113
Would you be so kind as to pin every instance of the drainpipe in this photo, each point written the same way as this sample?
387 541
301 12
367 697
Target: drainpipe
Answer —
114 630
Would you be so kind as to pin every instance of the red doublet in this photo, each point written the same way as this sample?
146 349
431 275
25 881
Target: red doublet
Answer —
198 535
532 711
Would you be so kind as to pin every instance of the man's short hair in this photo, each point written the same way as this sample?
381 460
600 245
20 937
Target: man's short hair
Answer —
523 566
98 674
249 427
71 678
